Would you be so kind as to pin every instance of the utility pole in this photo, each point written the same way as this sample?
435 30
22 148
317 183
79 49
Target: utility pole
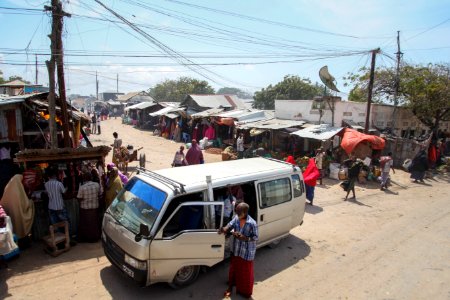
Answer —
57 58
96 85
36 65
117 90
399 55
370 88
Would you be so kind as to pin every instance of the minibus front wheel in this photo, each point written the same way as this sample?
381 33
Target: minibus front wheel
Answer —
185 276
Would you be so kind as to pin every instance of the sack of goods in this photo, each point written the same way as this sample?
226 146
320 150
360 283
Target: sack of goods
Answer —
342 174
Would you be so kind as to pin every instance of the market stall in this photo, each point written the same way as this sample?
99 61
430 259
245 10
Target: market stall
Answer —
70 164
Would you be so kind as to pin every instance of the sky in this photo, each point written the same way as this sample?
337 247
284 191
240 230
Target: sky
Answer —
247 44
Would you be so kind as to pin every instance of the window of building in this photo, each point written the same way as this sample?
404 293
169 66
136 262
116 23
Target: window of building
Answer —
347 114
362 114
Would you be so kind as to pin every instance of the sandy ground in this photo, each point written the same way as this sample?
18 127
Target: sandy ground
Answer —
384 245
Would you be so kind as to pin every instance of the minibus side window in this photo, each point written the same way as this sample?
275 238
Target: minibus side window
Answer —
192 218
275 192
297 185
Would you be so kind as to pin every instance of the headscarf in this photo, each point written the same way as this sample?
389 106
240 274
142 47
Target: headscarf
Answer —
122 176
194 156
311 173
113 186
18 207
290 159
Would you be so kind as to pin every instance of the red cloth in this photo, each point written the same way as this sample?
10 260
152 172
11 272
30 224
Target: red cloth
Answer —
210 133
311 173
352 138
432 157
241 275
290 159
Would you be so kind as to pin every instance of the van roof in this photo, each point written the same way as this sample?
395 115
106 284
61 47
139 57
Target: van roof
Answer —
227 172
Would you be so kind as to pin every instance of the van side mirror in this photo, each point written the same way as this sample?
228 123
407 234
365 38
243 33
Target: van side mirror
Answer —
143 232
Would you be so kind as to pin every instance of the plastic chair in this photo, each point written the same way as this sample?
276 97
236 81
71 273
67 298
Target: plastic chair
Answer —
57 242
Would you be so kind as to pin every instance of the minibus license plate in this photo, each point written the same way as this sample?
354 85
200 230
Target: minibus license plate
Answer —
128 271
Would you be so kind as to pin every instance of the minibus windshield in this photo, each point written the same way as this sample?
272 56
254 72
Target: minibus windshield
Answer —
138 203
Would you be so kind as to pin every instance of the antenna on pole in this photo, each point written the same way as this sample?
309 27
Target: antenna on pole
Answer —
329 82
399 55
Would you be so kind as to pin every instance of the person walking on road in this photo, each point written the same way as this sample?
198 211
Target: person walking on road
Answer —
94 124
194 156
240 146
386 163
179 159
353 172
99 131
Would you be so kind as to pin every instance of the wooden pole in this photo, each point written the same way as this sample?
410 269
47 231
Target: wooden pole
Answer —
51 95
59 14
370 88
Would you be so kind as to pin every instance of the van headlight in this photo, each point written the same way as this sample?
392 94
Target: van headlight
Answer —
138 264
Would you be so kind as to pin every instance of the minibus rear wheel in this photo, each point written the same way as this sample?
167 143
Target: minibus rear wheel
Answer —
185 276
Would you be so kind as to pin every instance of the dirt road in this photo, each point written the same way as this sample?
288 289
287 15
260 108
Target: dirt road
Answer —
385 245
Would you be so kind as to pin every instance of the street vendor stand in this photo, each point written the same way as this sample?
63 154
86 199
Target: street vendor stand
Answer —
69 162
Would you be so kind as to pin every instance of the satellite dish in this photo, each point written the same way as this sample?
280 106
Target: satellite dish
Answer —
327 79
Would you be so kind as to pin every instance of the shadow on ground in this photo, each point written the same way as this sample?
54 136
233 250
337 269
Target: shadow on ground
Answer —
34 259
212 282
313 209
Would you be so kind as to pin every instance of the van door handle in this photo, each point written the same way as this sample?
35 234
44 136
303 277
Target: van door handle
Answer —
216 246
261 218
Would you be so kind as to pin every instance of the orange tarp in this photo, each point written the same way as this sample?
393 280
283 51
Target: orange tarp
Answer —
351 138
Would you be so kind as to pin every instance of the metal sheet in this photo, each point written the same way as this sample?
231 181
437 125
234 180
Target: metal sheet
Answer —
318 132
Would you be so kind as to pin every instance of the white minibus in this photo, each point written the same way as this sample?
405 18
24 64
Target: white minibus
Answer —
162 227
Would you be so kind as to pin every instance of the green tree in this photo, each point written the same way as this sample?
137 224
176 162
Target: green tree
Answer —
427 90
292 87
383 87
424 89
235 91
176 90
1 77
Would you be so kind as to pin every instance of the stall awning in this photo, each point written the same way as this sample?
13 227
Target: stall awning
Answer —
352 138
139 106
169 111
318 132
271 124
353 124
207 113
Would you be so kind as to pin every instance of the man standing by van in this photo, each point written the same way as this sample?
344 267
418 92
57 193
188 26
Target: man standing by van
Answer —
245 232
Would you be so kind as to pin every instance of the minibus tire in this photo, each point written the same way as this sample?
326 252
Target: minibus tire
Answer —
185 276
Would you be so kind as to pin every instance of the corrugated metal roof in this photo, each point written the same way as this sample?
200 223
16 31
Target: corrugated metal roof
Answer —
165 111
141 105
244 115
207 113
215 101
17 83
112 102
270 124
318 132
136 96
10 101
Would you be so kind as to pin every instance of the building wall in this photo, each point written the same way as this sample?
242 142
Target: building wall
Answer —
381 115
